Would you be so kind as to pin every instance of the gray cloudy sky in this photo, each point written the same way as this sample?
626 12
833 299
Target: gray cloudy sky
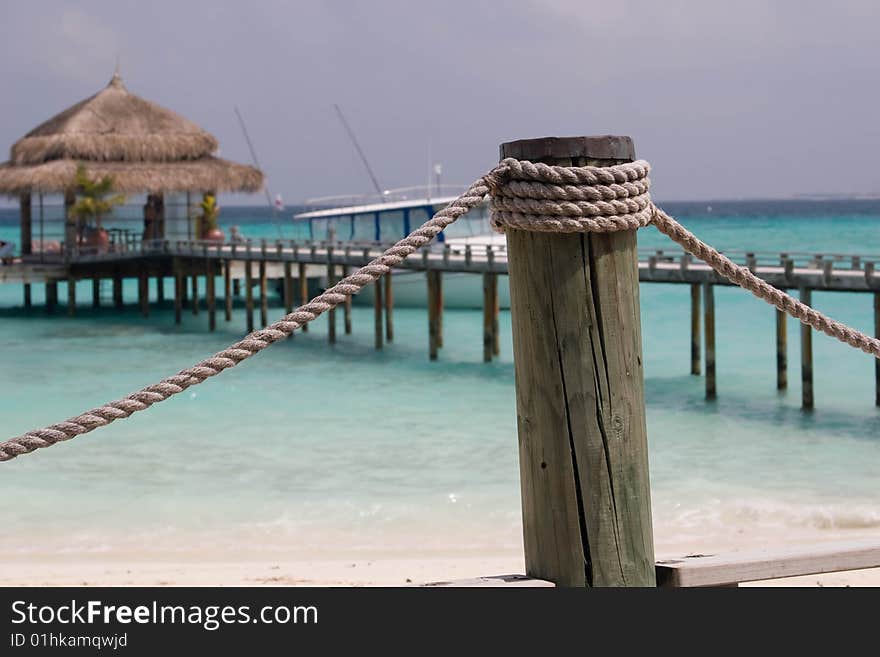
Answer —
726 99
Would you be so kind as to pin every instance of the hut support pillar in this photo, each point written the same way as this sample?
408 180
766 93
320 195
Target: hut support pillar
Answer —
117 290
96 292
434 306
71 296
346 307
194 301
806 355
51 296
288 288
144 293
580 392
160 289
331 281
27 296
179 287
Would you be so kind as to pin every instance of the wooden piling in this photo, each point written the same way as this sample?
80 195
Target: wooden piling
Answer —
781 351
71 297
709 321
695 329
264 298
331 281
249 294
389 307
490 288
877 360
303 290
160 289
144 292
496 312
806 355
96 292
194 300
236 287
51 296
210 297
27 296
433 277
439 308
377 313
288 288
179 285
227 290
118 301
580 391
346 306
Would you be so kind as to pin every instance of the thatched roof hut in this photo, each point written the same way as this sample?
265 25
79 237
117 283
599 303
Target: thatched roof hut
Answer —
145 147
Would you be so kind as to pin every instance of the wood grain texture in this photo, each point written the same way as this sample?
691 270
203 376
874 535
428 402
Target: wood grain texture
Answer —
750 566
695 329
580 406
709 325
781 350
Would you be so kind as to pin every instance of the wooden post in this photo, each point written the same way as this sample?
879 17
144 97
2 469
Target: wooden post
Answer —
781 351
27 296
496 311
389 307
490 282
264 298
433 277
580 391
288 289
179 286
71 296
227 289
709 310
194 301
118 301
51 296
236 287
377 313
26 239
877 360
144 292
439 311
160 289
695 329
806 355
346 306
249 294
210 295
331 281
96 292
303 290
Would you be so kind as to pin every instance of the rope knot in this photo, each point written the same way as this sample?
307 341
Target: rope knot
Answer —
540 197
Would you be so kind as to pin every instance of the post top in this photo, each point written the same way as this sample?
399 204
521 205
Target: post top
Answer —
604 147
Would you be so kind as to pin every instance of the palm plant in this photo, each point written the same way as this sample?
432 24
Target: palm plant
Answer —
94 198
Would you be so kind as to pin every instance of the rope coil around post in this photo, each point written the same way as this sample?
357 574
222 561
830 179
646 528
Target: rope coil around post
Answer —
524 196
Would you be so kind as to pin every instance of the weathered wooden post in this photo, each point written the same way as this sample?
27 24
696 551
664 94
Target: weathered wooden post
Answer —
709 310
346 306
194 301
51 296
179 286
71 296
433 276
579 391
227 290
264 298
695 329
144 292
781 351
288 288
27 296
377 314
490 287
210 295
118 301
249 290
389 307
303 290
877 360
331 281
160 289
806 355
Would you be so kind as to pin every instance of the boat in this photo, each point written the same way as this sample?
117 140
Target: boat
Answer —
388 217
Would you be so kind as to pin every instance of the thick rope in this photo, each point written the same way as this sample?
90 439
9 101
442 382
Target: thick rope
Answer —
525 196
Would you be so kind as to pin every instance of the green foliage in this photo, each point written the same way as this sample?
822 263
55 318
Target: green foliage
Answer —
94 200
210 212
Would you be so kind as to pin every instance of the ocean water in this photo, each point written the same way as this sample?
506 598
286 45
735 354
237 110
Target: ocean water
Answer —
341 451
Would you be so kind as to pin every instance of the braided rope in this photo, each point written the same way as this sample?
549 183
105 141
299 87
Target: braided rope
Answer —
524 196
254 342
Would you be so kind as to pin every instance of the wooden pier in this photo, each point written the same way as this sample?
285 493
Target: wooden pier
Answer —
293 264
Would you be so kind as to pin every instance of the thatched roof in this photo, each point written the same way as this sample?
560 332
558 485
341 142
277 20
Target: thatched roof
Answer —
145 147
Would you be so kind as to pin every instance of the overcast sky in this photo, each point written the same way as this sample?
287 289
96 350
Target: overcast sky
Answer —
726 99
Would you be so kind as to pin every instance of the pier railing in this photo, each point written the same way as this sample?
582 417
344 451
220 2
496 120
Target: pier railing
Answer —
570 209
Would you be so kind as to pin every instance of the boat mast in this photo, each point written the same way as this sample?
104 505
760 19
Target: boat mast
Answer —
360 151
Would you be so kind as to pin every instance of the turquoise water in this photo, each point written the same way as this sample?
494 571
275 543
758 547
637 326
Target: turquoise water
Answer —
312 449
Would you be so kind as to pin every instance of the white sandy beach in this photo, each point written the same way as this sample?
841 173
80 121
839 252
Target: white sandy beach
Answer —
378 572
